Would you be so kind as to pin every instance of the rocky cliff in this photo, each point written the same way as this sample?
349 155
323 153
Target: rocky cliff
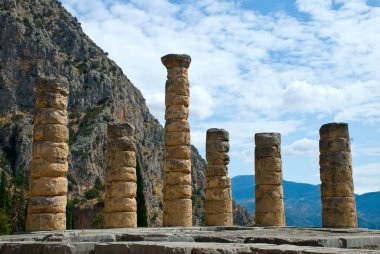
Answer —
39 37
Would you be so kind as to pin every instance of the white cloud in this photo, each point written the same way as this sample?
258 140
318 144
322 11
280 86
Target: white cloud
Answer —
305 146
366 178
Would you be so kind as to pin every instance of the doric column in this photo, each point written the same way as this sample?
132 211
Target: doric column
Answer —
337 188
120 193
177 178
269 195
218 184
48 181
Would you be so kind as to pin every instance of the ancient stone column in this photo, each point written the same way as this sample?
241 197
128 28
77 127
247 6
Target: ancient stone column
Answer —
177 177
48 181
218 184
337 188
120 194
269 195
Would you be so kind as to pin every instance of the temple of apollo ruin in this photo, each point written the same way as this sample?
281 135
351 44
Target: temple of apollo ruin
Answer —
48 183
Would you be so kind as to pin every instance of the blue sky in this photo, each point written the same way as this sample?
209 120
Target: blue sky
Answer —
285 66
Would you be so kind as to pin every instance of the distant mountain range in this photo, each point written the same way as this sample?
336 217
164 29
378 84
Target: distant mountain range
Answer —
303 203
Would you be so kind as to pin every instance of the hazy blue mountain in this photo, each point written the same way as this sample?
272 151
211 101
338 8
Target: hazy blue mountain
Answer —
303 204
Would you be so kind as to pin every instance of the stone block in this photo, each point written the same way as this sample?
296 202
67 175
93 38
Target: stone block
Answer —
335 159
217 146
177 139
337 189
120 205
51 100
268 191
51 133
120 220
45 149
339 219
119 130
178 219
42 168
177 152
176 112
217 158
269 219
48 186
179 86
334 145
218 206
46 221
121 144
175 99
122 174
267 151
267 139
177 125
177 165
53 204
178 205
337 174
338 204
221 182
50 116
177 178
171 61
268 166
274 179
177 72
119 159
217 134
216 170
219 219
121 190
218 194
58 84
177 192
333 130
274 205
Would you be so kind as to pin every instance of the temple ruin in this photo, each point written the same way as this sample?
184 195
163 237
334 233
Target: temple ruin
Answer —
269 197
177 176
337 188
48 182
218 184
120 194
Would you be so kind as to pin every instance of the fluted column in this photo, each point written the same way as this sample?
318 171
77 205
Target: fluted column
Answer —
48 171
269 195
120 194
337 188
177 179
218 184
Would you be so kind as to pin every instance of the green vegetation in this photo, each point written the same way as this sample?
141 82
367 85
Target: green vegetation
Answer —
5 228
142 218
97 222
70 214
92 193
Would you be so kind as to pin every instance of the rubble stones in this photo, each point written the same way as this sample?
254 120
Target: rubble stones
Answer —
337 188
120 194
269 195
218 184
48 182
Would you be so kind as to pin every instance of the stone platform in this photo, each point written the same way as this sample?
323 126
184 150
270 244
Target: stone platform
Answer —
195 240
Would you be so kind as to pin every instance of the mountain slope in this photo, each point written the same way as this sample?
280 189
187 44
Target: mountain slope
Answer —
303 205
39 37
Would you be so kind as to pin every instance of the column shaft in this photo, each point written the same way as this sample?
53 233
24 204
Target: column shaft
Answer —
337 188
269 197
218 184
177 178
48 171
120 194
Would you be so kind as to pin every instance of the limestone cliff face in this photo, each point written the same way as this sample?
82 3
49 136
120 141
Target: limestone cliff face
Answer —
39 37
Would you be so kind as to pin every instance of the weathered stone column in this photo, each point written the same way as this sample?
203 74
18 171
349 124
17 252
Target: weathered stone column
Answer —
120 194
218 184
177 178
269 195
337 188
48 181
